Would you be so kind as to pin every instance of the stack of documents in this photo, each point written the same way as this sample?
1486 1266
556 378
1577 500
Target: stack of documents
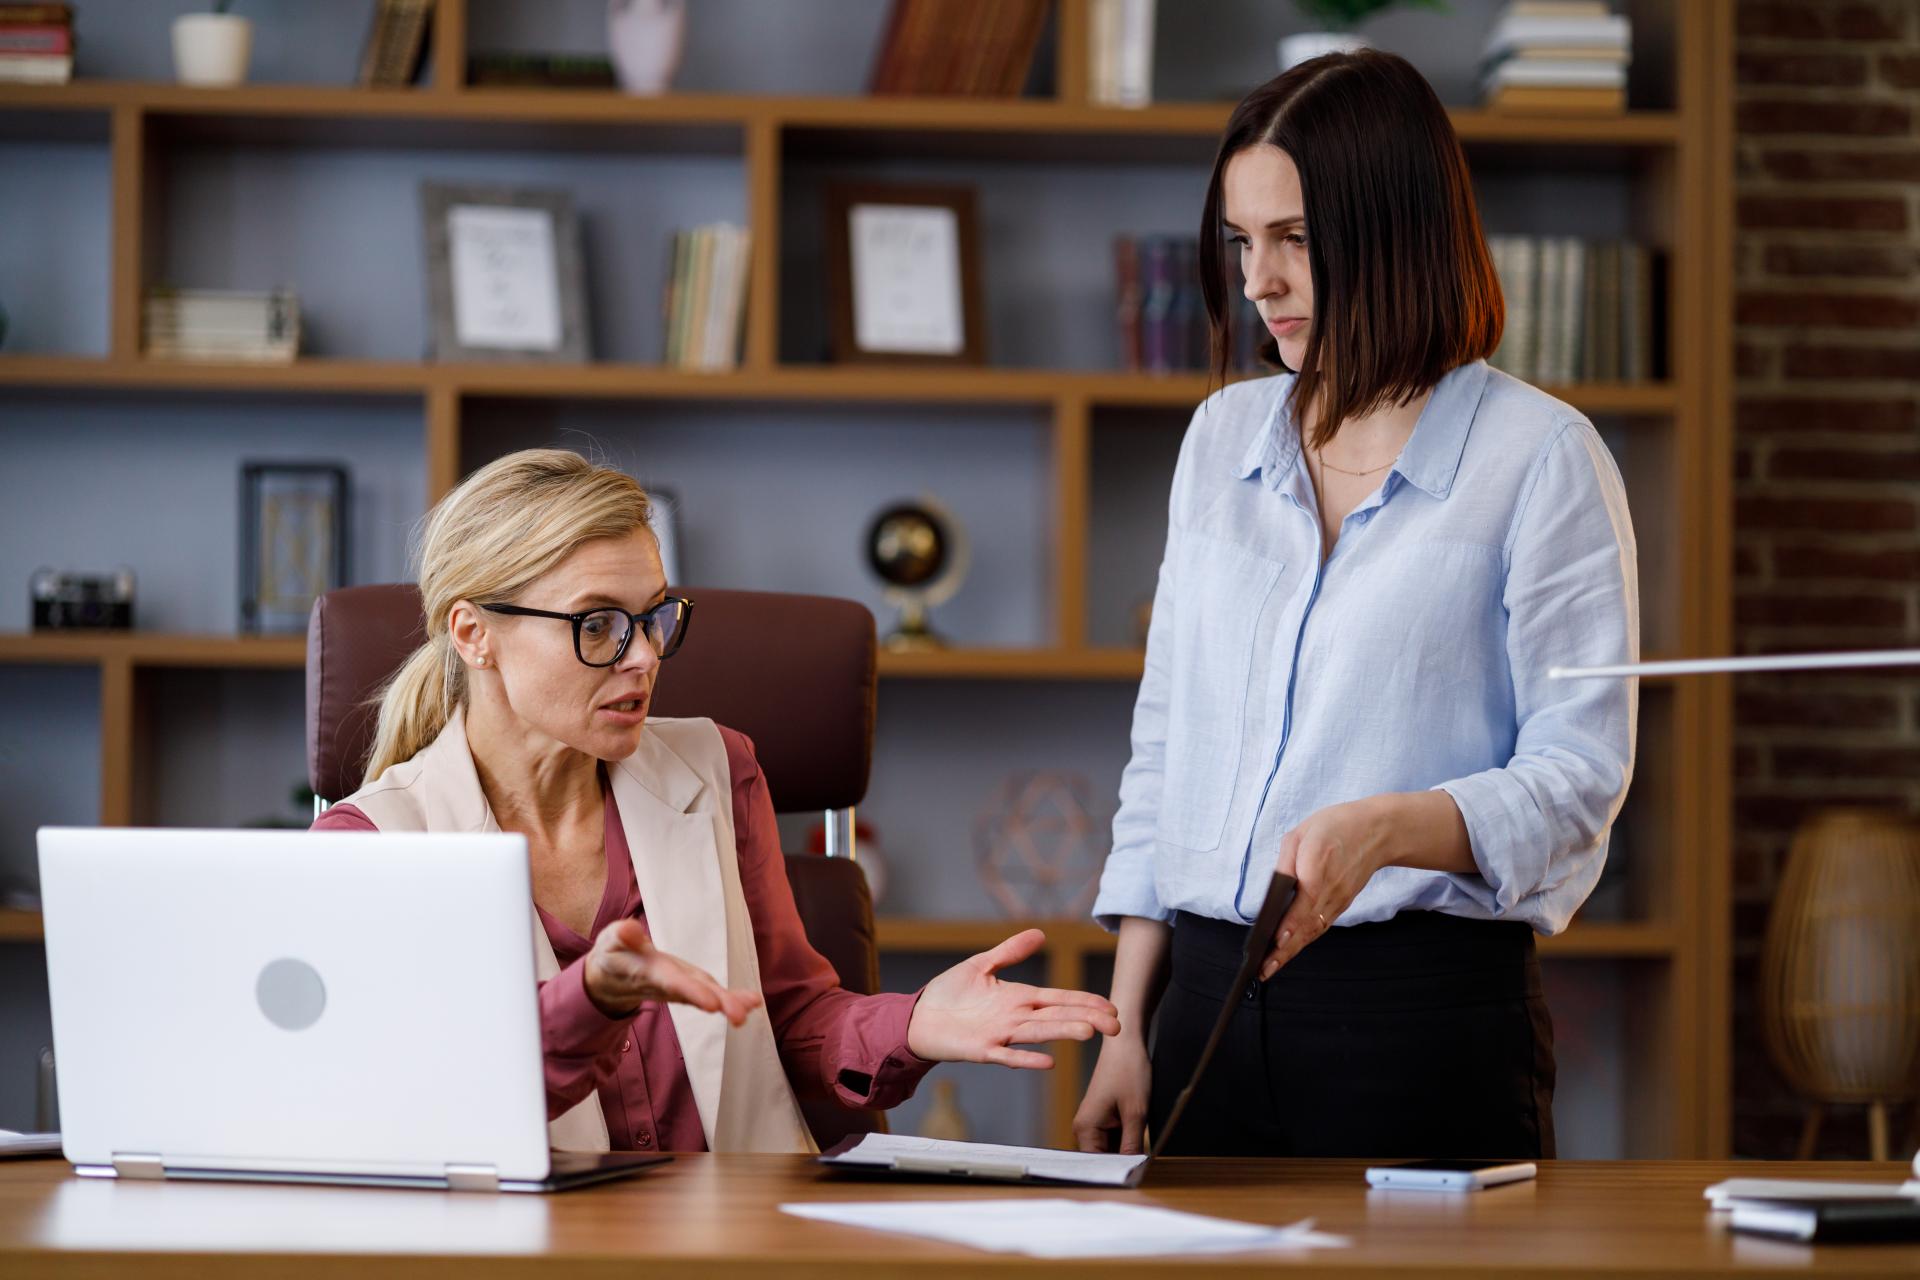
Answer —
1066 1228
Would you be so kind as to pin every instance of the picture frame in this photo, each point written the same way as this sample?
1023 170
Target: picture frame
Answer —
505 280
903 274
294 519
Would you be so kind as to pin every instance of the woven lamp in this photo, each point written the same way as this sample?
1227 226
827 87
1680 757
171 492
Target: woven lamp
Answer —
1840 968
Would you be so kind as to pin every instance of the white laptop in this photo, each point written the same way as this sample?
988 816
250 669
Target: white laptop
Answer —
300 1006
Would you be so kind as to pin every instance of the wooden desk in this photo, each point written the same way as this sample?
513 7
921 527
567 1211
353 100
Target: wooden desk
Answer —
708 1216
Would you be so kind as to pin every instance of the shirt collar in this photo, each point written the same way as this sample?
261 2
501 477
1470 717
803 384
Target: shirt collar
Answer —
1431 458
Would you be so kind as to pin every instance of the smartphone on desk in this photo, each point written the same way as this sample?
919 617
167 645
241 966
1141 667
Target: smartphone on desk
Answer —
1449 1175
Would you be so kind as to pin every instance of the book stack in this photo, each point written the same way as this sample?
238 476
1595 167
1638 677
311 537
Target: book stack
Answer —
1120 53
1580 310
959 48
706 297
396 43
210 324
36 43
1160 316
1557 56
542 70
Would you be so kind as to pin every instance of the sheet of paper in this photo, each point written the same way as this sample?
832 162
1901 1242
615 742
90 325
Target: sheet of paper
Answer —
887 1149
1722 1194
1066 1228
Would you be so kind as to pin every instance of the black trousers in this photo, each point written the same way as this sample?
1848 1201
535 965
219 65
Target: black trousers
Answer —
1423 1036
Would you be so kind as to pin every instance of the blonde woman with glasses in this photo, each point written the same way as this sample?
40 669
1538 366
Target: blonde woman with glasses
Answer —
547 620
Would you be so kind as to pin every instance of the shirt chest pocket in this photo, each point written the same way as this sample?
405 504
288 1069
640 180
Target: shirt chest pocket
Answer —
1220 590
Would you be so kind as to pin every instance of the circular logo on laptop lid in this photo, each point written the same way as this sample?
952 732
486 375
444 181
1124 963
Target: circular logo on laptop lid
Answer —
291 994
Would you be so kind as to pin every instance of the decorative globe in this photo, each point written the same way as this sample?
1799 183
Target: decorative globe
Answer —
907 546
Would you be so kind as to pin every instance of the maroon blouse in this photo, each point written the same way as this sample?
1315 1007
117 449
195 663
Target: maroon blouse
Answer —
831 1041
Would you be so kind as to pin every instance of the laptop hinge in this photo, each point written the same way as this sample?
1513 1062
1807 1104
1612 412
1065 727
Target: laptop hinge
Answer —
473 1177
138 1166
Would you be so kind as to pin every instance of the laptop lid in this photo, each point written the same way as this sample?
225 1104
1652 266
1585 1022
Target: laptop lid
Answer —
294 1002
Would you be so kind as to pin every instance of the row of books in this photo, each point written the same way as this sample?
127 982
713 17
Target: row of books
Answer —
1120 52
36 43
211 324
1161 318
706 296
396 43
1557 56
959 48
1580 310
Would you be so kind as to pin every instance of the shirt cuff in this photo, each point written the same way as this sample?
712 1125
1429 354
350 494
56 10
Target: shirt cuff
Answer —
571 1024
1512 859
876 1068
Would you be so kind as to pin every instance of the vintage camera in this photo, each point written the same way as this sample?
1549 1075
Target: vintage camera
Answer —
82 601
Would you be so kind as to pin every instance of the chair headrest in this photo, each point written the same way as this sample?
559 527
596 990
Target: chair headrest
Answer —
795 673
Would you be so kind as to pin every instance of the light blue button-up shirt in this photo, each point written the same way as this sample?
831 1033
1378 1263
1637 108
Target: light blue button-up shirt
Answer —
1414 657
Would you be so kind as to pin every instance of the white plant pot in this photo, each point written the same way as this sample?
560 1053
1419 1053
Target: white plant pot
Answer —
645 39
211 48
1306 45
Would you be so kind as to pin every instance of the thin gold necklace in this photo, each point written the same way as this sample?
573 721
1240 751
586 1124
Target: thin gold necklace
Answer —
1328 466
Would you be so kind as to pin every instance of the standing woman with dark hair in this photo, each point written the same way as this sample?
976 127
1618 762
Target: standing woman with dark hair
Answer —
1372 561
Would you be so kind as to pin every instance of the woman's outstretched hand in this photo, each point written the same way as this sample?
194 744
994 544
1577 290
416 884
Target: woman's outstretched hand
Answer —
625 969
969 1015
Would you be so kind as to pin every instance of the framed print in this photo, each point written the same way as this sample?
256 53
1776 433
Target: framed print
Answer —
904 274
293 541
504 276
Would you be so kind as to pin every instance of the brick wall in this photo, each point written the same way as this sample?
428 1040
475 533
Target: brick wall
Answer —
1827 457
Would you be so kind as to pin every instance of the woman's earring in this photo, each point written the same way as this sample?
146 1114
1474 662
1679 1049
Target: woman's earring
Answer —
480 661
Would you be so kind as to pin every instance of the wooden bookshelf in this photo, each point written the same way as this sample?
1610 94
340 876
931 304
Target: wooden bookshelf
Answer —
1677 164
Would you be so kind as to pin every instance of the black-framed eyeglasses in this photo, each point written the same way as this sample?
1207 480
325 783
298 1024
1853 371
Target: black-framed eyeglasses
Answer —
601 636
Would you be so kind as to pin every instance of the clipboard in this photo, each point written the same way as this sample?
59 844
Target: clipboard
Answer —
886 1155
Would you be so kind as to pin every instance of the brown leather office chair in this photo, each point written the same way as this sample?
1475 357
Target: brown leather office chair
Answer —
794 673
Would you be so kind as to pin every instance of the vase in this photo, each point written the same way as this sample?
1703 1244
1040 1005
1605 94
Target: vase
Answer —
211 48
645 39
1305 45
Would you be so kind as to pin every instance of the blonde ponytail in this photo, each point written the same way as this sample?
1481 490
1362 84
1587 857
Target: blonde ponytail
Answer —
504 526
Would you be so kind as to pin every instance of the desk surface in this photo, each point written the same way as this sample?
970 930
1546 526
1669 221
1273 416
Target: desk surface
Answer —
715 1216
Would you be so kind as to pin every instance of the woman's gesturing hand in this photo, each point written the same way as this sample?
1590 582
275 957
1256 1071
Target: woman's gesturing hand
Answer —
625 969
1331 855
969 1015
1337 849
1116 1101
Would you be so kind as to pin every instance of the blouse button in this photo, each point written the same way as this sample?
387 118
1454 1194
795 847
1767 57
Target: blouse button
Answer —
626 1046
645 1139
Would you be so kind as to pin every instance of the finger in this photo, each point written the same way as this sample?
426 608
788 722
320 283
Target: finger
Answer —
1300 926
1076 999
1012 951
1092 1126
738 1004
629 934
1133 1134
1037 1032
1289 855
1105 1023
1019 1059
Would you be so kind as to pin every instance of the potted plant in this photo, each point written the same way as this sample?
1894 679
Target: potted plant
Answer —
212 48
1336 26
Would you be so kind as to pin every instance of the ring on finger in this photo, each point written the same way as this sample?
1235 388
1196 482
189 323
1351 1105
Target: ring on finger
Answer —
1322 919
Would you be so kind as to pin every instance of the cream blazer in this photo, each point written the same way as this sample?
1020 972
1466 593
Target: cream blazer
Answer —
675 799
